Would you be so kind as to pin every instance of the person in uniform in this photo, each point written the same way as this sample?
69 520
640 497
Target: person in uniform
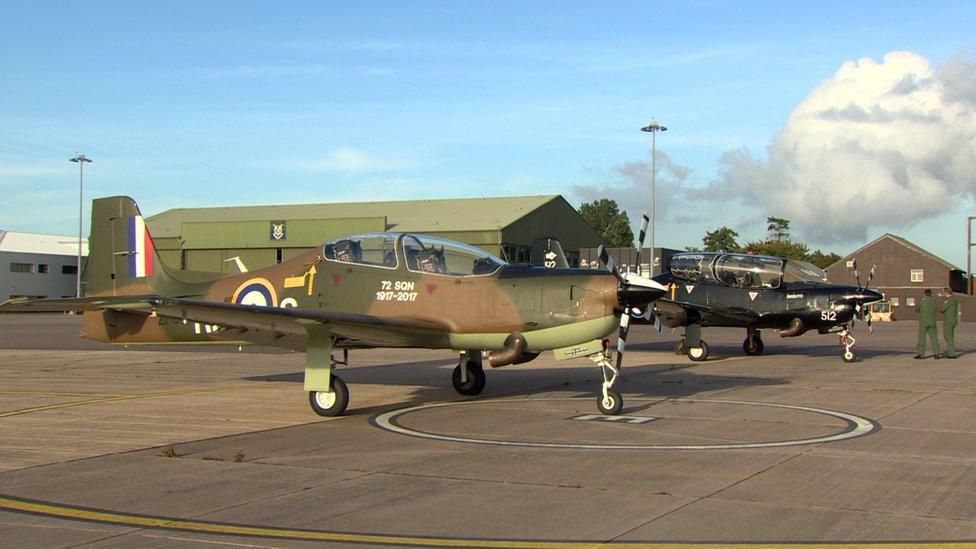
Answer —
926 324
950 316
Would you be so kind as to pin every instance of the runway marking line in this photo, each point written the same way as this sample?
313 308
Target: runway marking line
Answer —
113 398
70 512
856 426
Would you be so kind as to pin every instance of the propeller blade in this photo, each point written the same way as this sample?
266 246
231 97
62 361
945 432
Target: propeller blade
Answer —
857 274
608 262
870 275
622 336
870 328
640 242
657 324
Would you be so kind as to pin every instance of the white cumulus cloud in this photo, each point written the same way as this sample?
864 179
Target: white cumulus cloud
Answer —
348 160
879 145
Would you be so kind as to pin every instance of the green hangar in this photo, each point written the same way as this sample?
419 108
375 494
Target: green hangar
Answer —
209 239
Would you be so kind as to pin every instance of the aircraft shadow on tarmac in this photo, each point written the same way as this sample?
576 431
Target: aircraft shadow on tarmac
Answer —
433 382
723 351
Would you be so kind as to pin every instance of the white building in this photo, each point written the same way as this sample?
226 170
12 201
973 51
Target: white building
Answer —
38 265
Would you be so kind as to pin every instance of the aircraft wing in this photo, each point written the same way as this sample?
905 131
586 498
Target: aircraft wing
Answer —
27 305
291 320
253 323
675 313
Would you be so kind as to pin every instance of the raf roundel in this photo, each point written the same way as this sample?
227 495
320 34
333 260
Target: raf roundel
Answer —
256 291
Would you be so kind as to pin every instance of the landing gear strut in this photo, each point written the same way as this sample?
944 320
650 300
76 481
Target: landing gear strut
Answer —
753 344
469 376
327 393
847 342
609 401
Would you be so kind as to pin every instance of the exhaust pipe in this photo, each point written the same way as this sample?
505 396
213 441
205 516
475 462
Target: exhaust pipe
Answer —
795 328
513 353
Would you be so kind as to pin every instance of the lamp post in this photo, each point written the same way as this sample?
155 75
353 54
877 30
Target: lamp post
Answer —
81 160
969 254
653 128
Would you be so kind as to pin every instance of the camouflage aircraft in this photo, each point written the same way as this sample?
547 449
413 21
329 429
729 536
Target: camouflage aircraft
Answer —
755 292
367 290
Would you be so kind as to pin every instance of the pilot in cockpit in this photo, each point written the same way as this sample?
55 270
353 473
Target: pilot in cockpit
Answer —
430 261
347 251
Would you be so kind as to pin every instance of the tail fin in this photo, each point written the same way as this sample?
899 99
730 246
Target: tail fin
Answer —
122 258
548 252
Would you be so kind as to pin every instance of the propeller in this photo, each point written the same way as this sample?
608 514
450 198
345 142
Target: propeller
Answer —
640 243
863 294
633 291
647 313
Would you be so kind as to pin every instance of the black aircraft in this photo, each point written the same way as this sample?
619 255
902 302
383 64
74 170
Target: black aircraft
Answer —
755 292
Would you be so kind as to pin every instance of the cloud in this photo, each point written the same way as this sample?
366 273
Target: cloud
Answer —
629 184
348 160
878 145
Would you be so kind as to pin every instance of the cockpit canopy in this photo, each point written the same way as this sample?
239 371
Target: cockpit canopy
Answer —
423 254
734 270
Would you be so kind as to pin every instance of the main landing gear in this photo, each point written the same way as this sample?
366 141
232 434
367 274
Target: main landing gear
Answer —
327 393
753 344
847 342
692 344
330 403
469 375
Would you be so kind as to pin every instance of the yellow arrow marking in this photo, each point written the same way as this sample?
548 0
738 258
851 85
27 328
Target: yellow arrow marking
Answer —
311 279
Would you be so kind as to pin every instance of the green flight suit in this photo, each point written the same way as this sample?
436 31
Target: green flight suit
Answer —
950 317
926 325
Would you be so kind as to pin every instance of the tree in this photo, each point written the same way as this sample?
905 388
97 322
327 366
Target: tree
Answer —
778 227
614 225
823 260
721 240
779 248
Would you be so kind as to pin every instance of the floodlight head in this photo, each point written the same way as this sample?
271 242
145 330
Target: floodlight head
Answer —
81 159
654 126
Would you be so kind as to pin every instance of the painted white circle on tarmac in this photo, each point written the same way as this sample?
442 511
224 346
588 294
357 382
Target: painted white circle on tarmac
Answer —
856 426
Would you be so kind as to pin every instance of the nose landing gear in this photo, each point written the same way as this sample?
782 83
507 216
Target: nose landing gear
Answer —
847 342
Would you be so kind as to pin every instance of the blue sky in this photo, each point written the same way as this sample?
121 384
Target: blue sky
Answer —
212 103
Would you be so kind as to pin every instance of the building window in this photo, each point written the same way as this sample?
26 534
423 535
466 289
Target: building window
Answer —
69 269
278 255
43 269
21 268
894 302
917 275
850 263
909 301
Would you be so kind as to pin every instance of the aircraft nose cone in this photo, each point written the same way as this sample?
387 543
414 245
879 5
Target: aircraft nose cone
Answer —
634 295
870 296
637 291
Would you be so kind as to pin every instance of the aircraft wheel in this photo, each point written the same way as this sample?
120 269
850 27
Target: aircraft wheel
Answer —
611 405
753 346
698 354
679 347
333 403
476 380
849 355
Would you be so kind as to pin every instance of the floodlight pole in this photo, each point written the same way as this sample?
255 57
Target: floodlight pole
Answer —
969 254
653 128
81 160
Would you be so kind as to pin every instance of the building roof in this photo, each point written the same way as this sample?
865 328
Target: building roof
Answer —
911 246
443 215
29 243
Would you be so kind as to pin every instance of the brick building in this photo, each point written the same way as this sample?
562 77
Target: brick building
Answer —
904 271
